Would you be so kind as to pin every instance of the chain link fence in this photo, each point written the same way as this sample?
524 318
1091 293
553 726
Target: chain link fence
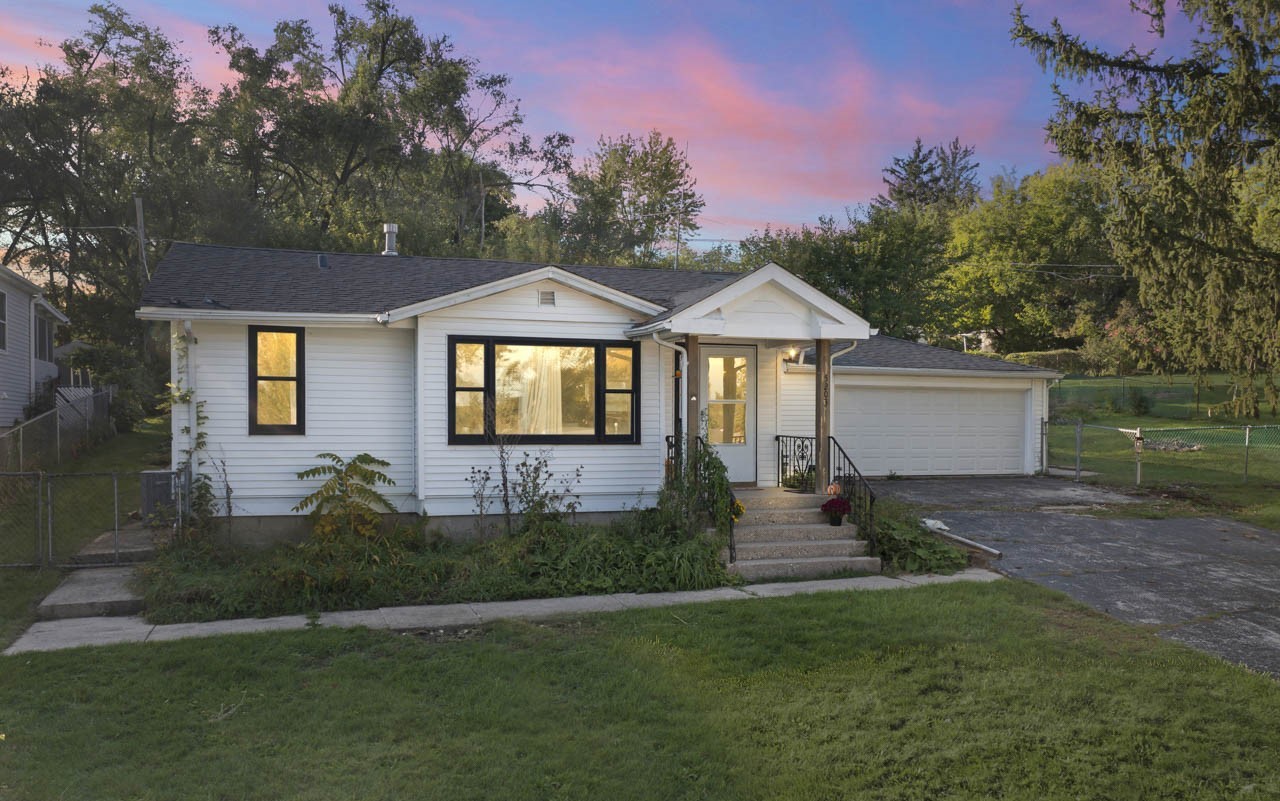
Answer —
1175 397
85 519
45 441
1205 455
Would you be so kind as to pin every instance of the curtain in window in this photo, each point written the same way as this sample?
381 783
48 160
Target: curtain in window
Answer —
542 403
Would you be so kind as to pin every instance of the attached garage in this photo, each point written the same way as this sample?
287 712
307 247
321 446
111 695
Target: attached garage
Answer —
908 409
932 431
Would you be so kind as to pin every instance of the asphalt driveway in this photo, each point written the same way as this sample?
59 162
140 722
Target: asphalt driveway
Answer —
1211 583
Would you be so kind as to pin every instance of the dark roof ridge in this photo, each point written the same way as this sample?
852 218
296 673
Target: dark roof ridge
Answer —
532 264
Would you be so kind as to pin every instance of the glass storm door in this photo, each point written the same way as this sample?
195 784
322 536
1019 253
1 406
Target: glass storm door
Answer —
729 402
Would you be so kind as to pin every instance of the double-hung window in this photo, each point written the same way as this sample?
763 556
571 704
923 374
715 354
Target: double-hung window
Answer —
277 381
541 390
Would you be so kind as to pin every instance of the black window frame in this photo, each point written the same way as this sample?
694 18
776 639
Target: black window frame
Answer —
4 320
600 347
299 428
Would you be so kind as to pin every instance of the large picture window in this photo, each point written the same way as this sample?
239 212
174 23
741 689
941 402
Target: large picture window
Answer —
542 390
276 380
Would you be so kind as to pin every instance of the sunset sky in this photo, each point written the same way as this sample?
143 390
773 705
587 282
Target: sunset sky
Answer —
788 110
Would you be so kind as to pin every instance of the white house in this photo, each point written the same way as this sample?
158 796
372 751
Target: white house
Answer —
27 322
425 361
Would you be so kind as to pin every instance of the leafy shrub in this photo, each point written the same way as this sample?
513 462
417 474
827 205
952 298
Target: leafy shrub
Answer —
348 502
905 546
1139 403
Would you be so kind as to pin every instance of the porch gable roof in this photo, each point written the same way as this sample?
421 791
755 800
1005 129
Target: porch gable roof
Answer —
768 301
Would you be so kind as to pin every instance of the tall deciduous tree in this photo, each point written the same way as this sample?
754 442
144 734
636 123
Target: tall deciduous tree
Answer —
1032 264
629 196
1187 148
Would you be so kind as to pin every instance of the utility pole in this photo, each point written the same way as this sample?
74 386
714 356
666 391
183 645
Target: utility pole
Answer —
145 274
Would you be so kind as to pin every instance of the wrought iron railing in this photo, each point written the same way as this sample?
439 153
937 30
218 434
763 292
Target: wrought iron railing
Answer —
796 462
854 489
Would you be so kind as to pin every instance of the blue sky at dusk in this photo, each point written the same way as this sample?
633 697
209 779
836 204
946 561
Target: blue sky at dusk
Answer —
788 110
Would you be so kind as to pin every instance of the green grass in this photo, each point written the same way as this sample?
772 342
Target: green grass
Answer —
82 511
962 691
1170 396
1208 480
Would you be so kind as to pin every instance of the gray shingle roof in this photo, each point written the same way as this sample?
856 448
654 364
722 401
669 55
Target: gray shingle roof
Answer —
269 280
891 352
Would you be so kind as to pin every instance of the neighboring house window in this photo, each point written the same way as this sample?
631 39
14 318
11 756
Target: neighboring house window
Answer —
552 391
4 321
44 339
277 383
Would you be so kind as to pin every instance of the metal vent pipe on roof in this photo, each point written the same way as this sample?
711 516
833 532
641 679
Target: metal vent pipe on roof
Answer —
390 229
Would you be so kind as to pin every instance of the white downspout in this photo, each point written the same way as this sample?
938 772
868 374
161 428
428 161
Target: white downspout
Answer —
192 413
680 389
31 350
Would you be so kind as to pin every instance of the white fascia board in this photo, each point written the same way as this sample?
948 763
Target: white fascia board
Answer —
925 371
848 325
270 318
549 273
57 315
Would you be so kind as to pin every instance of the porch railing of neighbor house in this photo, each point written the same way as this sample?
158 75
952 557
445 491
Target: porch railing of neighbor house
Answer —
675 464
795 462
855 489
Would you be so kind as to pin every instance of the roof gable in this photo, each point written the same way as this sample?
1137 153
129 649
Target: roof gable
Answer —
768 301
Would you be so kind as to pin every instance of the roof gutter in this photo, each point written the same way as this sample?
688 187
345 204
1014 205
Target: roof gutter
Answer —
214 315
951 373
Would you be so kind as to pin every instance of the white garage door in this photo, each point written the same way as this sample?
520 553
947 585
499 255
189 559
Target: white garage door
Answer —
932 432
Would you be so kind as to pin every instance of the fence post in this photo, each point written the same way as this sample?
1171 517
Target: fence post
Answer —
57 432
1079 445
48 501
21 458
115 496
1247 431
1137 452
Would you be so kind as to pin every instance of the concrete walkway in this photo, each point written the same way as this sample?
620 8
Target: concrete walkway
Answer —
54 635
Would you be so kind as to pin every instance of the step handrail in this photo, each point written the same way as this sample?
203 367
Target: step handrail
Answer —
855 489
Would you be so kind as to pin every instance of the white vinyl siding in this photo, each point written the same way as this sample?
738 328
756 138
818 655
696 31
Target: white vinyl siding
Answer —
614 476
359 399
16 381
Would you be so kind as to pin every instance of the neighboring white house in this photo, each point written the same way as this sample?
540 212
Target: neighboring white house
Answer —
425 361
27 323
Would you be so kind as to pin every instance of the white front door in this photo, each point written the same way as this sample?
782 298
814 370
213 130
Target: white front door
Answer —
729 403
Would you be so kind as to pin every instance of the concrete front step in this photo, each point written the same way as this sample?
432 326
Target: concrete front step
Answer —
92 592
777 499
773 517
810 567
795 532
802 549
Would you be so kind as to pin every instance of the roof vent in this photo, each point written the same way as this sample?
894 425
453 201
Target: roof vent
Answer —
546 297
390 229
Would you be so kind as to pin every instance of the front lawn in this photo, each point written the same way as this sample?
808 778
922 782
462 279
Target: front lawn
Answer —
961 691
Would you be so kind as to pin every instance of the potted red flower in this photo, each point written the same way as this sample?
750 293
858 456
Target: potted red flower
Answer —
836 508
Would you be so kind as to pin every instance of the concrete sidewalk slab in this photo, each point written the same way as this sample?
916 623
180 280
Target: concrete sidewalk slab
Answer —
251 625
971 574
400 618
785 588
90 592
55 635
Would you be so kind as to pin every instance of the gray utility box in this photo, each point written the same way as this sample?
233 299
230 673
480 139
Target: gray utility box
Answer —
158 502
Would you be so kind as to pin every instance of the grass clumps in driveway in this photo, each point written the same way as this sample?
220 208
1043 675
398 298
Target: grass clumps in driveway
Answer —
999 690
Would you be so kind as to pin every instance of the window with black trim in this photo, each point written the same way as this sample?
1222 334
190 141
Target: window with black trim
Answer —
4 321
543 390
44 338
277 382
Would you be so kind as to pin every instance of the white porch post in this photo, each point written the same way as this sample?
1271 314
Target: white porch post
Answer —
822 414
692 387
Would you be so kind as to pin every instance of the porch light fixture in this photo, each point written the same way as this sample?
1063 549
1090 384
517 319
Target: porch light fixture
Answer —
792 352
